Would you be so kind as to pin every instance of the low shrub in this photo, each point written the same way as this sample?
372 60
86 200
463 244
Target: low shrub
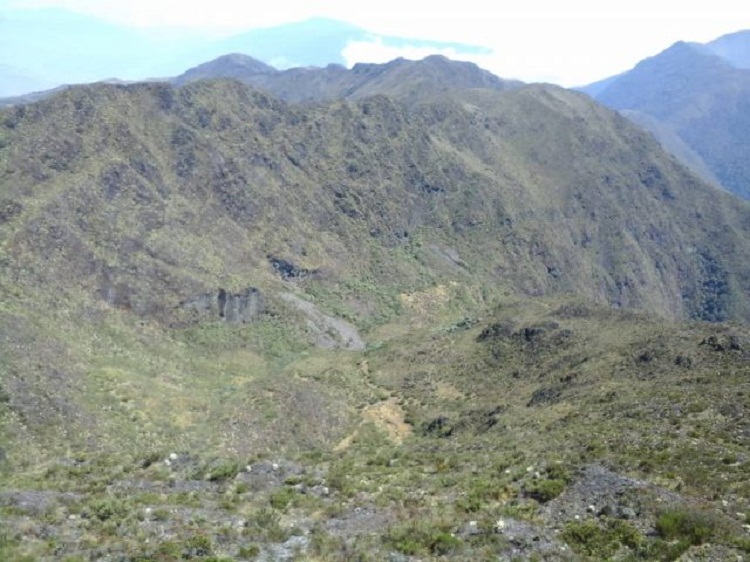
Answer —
681 524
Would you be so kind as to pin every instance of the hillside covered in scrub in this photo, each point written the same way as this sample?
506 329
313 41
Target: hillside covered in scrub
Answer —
482 323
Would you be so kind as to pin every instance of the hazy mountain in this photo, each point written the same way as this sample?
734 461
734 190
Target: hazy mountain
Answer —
62 47
409 81
313 42
672 143
700 97
15 81
54 46
242 328
733 48
238 66
402 79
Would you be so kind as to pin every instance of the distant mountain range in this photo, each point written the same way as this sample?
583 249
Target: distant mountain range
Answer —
44 48
696 99
401 79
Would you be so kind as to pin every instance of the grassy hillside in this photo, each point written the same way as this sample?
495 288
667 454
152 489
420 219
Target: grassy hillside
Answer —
548 428
146 197
236 328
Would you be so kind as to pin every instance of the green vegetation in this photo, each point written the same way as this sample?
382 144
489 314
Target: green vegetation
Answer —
681 525
423 538
545 490
601 542
236 329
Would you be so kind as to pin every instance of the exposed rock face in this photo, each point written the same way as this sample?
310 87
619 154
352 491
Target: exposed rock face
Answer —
233 308
328 331
287 270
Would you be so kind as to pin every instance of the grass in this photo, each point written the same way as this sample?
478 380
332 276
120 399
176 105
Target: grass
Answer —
498 461
506 396
693 527
601 542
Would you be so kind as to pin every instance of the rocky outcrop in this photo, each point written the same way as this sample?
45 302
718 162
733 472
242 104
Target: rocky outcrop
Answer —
233 308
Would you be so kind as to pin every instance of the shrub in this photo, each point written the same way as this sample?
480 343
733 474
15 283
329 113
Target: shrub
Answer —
198 546
545 490
589 538
266 523
106 509
151 457
423 538
741 543
281 499
224 471
681 524
249 552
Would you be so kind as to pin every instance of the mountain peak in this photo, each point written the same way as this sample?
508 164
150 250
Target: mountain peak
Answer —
233 65
696 95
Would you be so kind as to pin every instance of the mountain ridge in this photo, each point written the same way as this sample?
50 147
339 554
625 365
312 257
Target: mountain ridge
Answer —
696 95
49 47
401 78
733 47
427 187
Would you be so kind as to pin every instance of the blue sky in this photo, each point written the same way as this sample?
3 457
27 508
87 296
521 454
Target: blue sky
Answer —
570 43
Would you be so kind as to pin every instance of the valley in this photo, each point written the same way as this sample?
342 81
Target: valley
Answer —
441 317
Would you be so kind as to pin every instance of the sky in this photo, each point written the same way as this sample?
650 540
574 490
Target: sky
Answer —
568 43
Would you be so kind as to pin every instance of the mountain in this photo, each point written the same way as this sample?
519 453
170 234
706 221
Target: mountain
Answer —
403 79
234 65
698 96
314 42
733 48
62 47
53 46
493 173
672 143
464 325
408 81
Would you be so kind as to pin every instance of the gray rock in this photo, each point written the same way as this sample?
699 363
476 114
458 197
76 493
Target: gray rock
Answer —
234 308
627 513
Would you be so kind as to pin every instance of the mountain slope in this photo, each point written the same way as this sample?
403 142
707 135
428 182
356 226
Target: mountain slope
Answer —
232 326
539 179
236 66
701 98
672 143
514 425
